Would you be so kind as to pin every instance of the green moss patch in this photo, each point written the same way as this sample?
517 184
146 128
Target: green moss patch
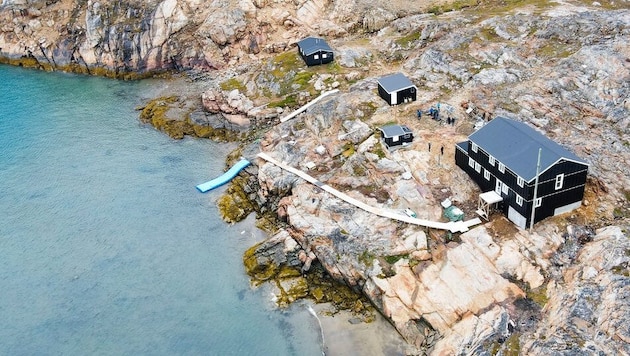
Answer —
555 50
538 295
316 285
407 40
231 84
235 205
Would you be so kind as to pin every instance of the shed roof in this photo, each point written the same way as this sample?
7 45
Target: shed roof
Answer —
395 130
395 82
310 45
516 144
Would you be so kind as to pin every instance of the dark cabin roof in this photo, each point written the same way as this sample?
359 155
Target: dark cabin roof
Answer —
395 82
310 45
395 130
516 144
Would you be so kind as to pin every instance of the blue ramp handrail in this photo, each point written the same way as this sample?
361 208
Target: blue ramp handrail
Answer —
225 177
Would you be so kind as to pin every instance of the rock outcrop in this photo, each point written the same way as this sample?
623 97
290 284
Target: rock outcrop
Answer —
139 38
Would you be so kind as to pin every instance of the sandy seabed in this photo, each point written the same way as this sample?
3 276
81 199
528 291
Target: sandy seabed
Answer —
344 334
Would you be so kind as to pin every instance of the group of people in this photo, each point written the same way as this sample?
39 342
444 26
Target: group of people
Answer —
435 115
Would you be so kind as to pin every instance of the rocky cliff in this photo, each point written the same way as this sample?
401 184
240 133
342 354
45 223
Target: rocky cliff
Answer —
562 67
138 38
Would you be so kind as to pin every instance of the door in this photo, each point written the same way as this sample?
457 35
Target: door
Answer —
497 187
394 98
518 219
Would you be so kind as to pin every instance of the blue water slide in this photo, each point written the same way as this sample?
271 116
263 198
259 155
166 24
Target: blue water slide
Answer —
225 177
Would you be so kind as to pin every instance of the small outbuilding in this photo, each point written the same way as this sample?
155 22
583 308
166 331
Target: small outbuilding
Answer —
396 135
396 89
315 51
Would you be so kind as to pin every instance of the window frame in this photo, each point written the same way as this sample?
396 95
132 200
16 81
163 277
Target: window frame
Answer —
501 167
486 174
471 162
559 181
474 147
537 202
519 200
477 167
520 181
491 160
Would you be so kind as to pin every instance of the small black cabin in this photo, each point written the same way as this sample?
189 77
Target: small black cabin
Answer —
396 89
502 158
396 135
315 51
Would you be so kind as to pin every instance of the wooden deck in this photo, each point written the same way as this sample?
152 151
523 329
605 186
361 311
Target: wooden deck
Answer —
458 226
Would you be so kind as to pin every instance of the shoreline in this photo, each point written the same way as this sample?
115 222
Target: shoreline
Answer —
343 333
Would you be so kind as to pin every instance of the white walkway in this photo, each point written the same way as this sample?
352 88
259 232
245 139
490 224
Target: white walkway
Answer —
308 105
458 226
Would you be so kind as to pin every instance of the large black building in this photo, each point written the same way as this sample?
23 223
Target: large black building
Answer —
315 51
502 158
396 89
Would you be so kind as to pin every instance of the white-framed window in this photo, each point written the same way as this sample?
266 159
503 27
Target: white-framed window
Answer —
559 181
316 56
474 147
519 200
537 202
477 167
324 55
395 138
471 162
505 188
501 167
491 160
486 174
520 181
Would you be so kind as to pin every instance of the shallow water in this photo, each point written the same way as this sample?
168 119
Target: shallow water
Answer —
106 247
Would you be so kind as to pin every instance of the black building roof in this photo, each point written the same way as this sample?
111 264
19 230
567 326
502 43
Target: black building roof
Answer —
395 82
395 130
516 144
310 45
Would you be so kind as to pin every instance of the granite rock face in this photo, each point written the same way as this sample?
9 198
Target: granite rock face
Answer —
144 37
588 308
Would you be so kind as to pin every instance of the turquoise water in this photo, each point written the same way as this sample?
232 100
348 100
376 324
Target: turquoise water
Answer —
106 247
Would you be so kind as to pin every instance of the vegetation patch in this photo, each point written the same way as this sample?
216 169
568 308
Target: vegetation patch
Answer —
367 108
284 63
621 269
395 258
378 150
359 170
233 83
453 6
373 191
316 285
538 295
408 40
555 50
288 101
348 149
367 258
235 204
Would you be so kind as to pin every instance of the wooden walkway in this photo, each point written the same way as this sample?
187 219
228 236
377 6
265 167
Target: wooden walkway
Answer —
458 226
308 105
